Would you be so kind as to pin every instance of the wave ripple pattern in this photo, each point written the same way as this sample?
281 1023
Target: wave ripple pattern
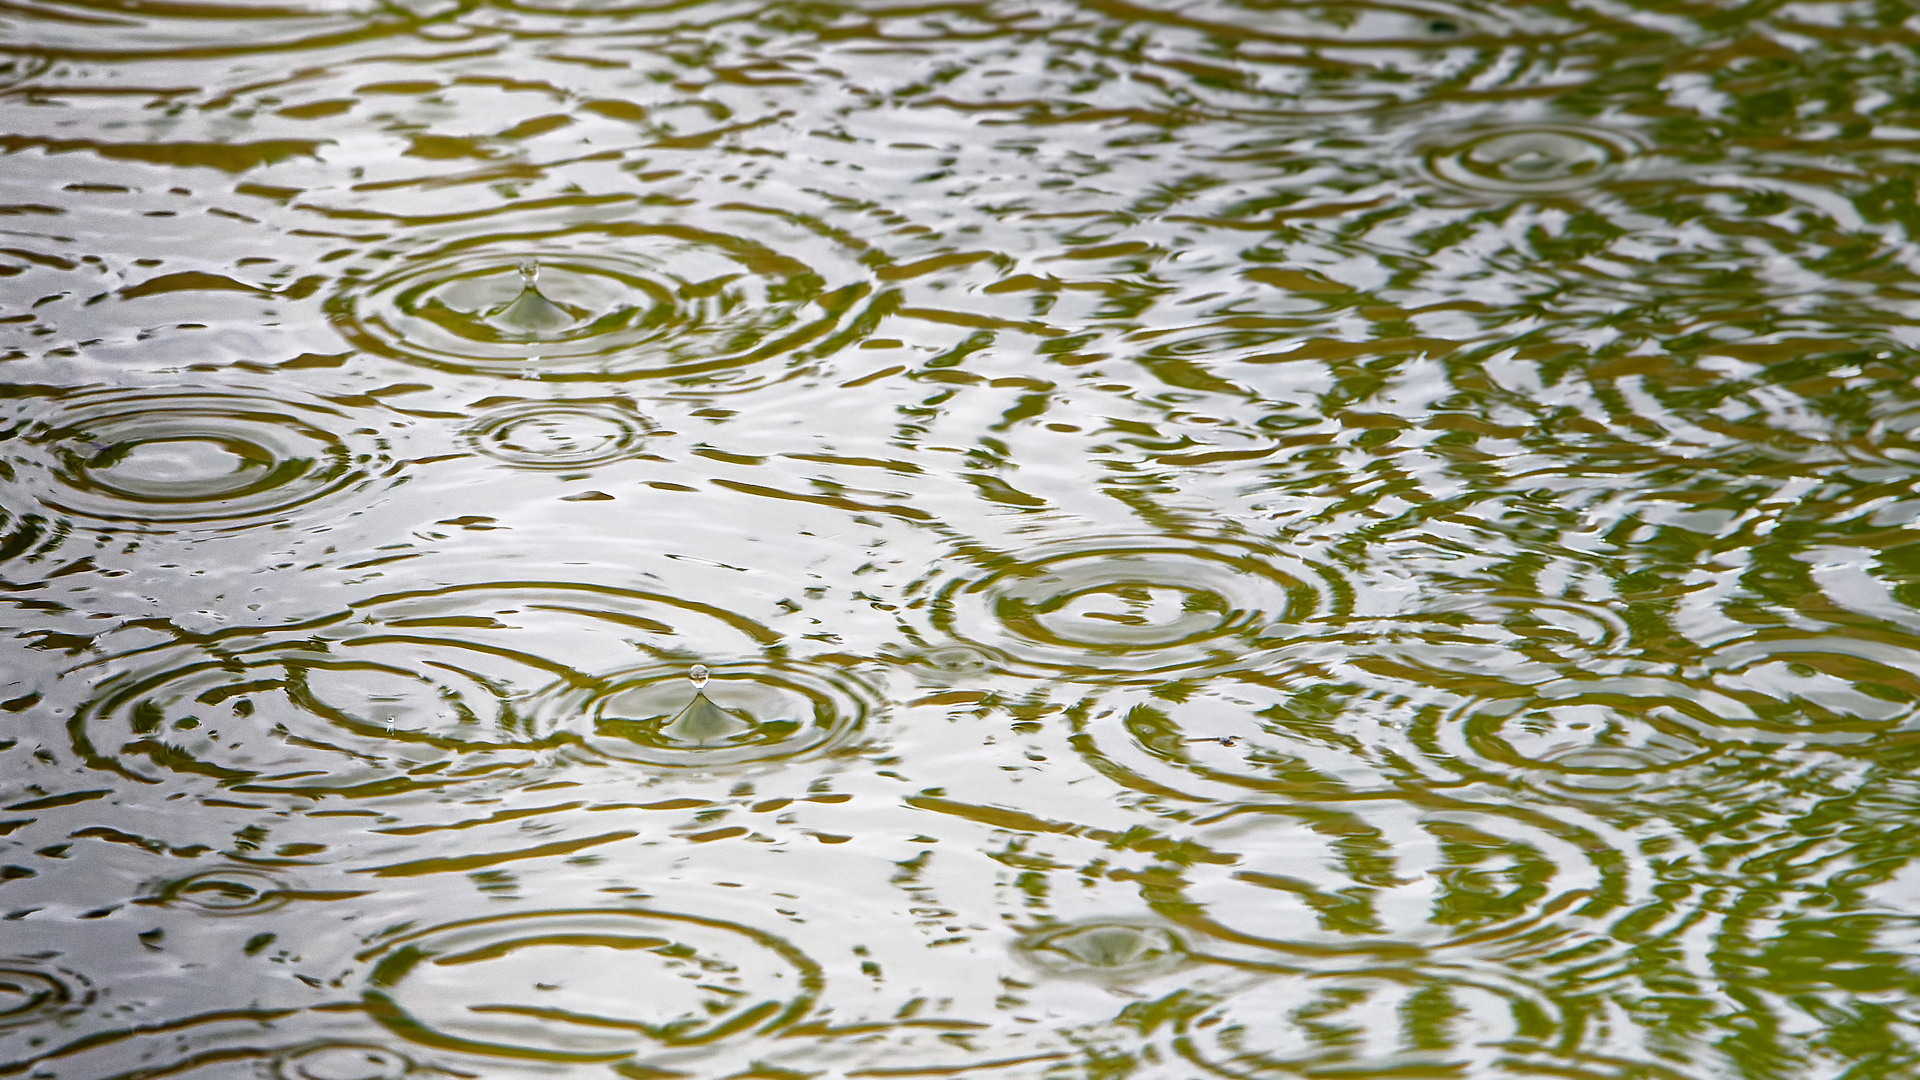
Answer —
992 540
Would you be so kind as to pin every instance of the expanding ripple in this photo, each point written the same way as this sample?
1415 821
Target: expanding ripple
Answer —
174 459
1122 606
1383 1022
408 690
227 891
86 30
341 1061
617 301
587 985
574 434
31 994
1387 876
1367 24
747 712
1529 159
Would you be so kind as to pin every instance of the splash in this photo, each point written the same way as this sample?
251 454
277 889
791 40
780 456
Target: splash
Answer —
531 313
702 723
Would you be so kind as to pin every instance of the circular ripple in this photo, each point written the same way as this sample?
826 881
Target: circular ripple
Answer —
1232 738
1530 159
743 712
1386 1022
29 995
587 985
615 301
1391 873
1105 949
404 691
187 459
1343 24
229 891
341 1061
560 434
1124 606
1600 743
1375 703
1784 687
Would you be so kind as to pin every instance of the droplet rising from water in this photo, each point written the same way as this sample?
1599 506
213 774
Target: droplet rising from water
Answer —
698 673
702 723
531 312
758 713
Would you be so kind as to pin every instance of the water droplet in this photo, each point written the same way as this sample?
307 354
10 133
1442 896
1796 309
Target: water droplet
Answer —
698 673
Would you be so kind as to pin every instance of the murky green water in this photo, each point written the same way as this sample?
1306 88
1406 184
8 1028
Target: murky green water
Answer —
1046 541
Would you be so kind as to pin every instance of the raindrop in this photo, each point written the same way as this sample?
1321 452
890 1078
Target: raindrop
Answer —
698 673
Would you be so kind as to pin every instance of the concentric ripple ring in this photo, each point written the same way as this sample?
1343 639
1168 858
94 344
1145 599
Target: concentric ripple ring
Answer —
184 459
30 994
606 302
1529 159
587 985
1125 605
560 434
407 690
748 712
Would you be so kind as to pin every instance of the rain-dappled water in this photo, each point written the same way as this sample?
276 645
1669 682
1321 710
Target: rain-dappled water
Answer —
1037 540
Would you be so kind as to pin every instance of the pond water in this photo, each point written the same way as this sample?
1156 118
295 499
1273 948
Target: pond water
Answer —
1043 540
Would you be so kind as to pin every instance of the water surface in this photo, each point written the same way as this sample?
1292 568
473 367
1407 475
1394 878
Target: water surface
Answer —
1046 541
